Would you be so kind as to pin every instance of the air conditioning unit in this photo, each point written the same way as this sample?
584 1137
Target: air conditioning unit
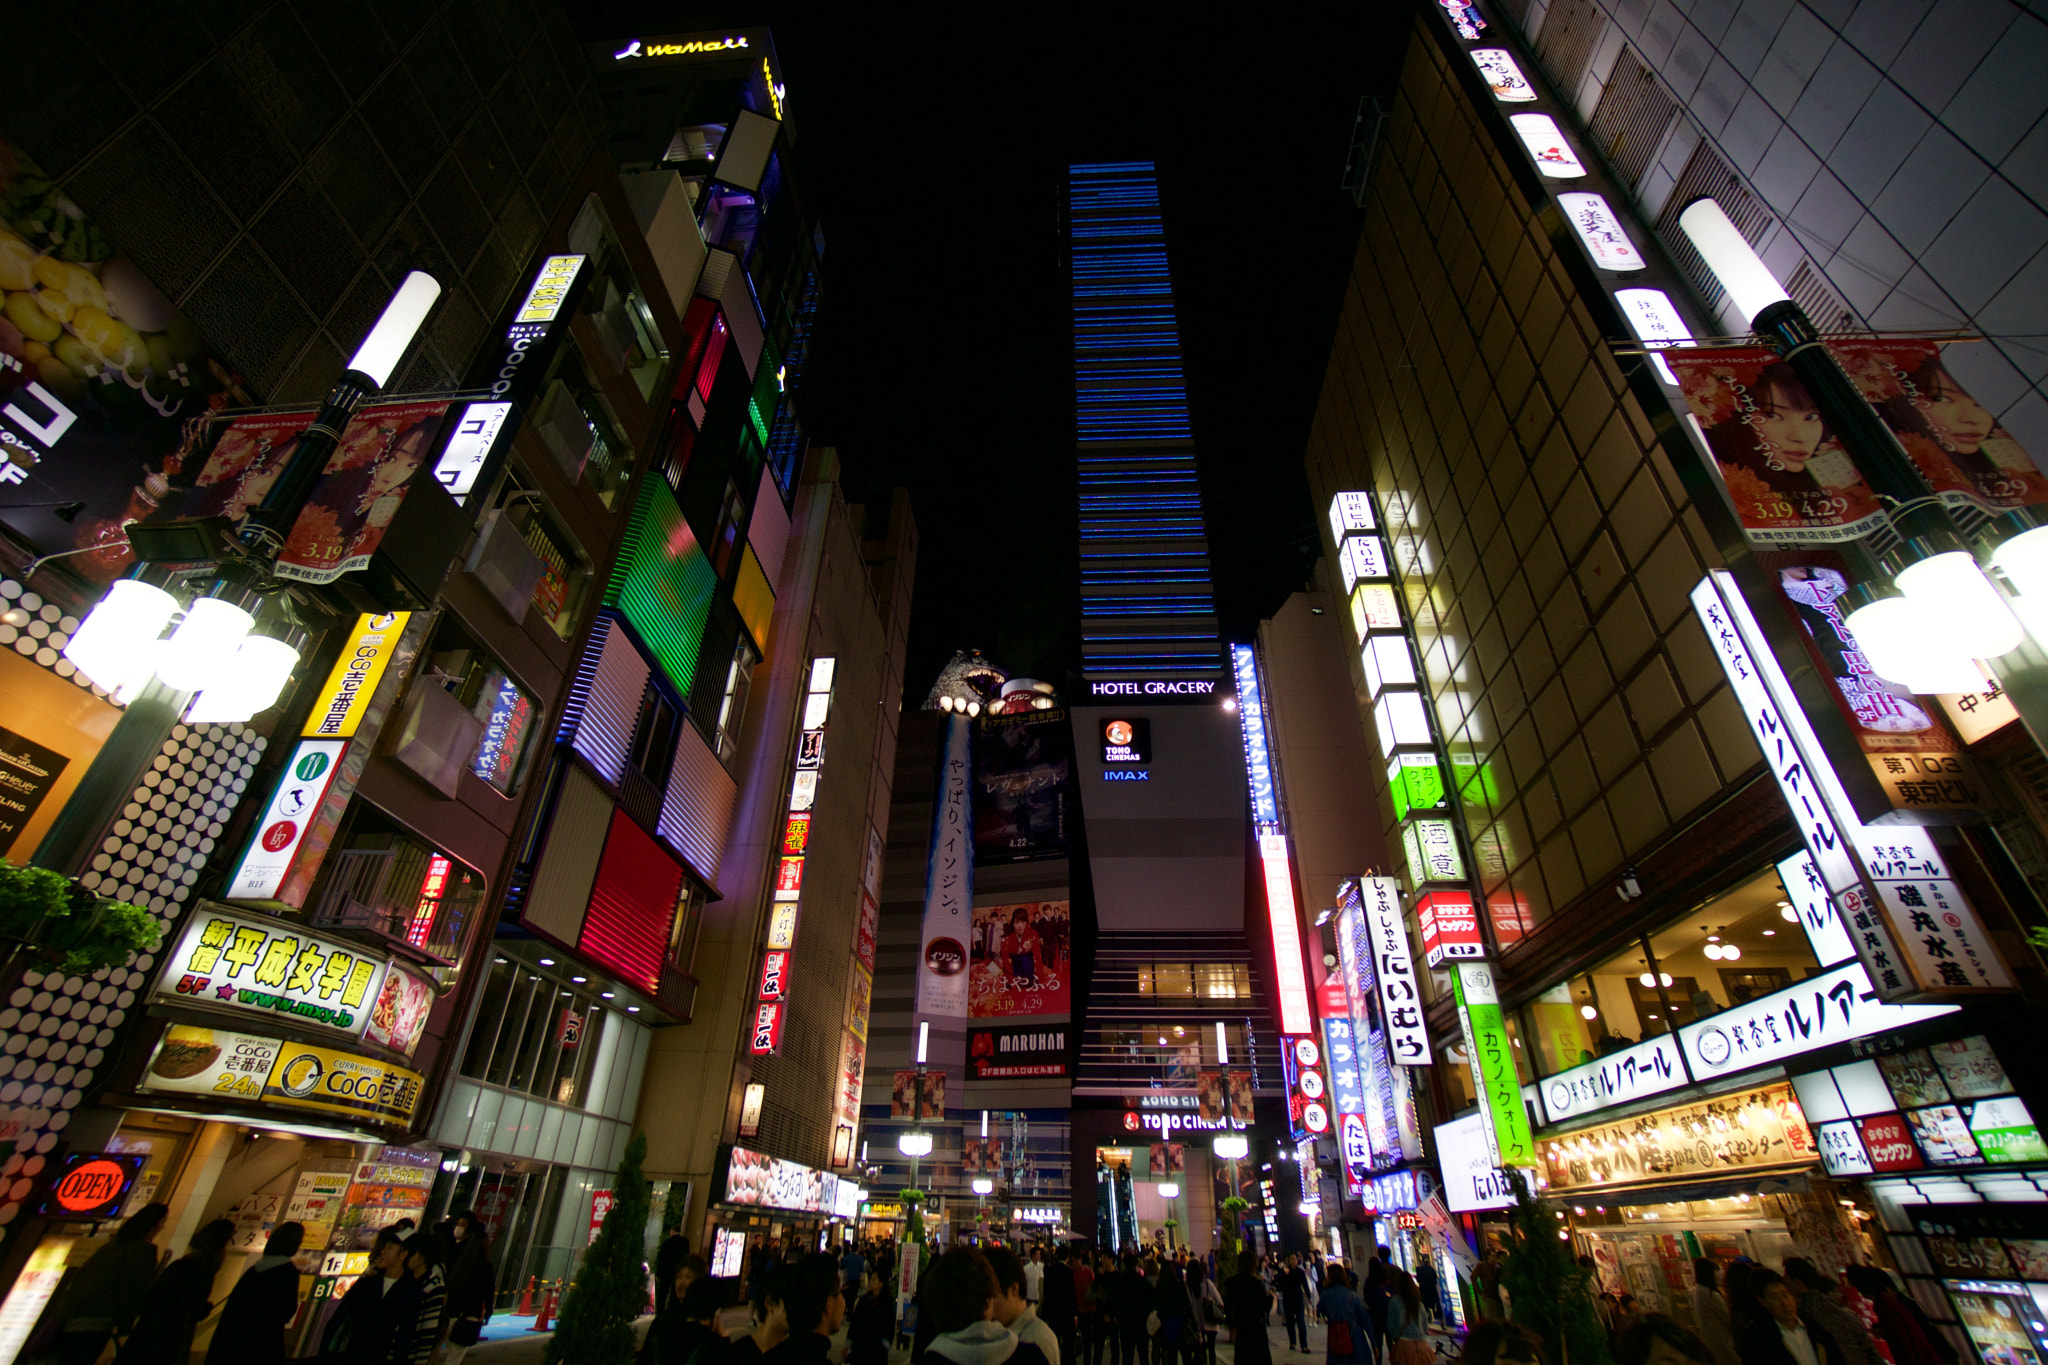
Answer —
505 564
436 736
566 431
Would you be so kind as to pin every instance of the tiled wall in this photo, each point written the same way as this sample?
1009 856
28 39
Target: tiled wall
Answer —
1901 146
276 169
1550 546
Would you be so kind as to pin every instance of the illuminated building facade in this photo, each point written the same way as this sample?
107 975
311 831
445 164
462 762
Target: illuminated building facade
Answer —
1526 548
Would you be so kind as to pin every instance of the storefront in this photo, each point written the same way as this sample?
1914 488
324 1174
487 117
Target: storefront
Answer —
1932 1123
532 1126
756 1197
276 1074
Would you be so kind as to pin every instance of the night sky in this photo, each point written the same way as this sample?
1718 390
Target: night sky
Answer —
934 153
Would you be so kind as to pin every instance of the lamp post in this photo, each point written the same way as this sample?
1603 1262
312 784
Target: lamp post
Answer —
1170 1192
1926 609
215 651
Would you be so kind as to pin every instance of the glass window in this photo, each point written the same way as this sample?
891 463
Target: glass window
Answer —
565 569
654 739
1727 951
732 708
1224 980
578 428
615 304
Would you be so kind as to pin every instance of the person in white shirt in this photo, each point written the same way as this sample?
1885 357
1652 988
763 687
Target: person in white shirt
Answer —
1034 1275
1779 1337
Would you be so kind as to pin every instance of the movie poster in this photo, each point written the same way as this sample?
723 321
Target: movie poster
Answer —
1784 468
1912 754
359 492
904 1102
1953 439
1023 786
1021 960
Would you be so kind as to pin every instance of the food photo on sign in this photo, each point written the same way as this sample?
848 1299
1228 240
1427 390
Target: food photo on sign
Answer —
1021 960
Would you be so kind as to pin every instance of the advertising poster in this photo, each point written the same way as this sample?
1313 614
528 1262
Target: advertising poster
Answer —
400 1015
244 463
1954 440
906 1103
1023 783
99 374
27 773
359 492
1014 1053
949 878
1786 473
274 841
1021 960
1167 1158
269 967
1912 754
870 926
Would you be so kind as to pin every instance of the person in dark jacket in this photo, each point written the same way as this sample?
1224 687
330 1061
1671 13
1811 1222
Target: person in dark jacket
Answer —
361 1329
179 1301
686 1328
1779 1337
1247 1303
104 1296
1292 1282
1912 1339
1375 1291
668 1259
1057 1302
814 1301
872 1323
1131 1299
262 1306
472 1285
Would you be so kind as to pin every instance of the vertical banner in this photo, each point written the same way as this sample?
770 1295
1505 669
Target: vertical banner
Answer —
949 879
1953 439
1913 930
1785 470
1394 966
1491 1053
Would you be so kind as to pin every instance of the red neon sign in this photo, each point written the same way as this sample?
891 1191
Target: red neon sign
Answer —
1295 1015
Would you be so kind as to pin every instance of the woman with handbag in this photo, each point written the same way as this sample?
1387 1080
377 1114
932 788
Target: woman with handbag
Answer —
1407 1329
1208 1308
1347 1323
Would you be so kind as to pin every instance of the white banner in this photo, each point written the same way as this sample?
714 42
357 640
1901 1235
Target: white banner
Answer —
1649 1068
949 879
1818 1012
1394 967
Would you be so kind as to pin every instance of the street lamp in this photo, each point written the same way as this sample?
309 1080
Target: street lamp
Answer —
215 647
1169 1192
1929 609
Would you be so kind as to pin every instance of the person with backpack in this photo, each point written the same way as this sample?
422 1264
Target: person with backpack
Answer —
1348 1339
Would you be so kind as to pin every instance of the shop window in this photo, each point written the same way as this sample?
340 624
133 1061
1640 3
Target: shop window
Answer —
615 304
1733 949
1204 980
654 738
580 430
732 708
381 880
732 515
732 220
565 569
506 714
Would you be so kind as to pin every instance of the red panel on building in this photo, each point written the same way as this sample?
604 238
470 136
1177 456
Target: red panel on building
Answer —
632 906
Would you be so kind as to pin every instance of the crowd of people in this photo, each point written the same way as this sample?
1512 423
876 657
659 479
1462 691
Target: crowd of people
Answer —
423 1300
1068 1304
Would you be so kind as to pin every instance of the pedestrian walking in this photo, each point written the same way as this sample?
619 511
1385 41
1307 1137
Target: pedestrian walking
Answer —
1292 1282
1248 1304
263 1304
1347 1326
1407 1330
179 1301
102 1297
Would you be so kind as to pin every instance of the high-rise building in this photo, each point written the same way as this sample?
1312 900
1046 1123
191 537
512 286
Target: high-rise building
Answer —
1563 646
1160 761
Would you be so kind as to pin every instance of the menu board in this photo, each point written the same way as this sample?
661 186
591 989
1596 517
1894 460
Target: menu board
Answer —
1950 1104
728 1253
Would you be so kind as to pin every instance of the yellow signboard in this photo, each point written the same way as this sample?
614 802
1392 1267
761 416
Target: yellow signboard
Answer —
361 1088
356 673
1743 1130
550 289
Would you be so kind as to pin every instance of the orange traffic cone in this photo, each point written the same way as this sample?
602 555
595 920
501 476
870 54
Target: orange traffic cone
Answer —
547 1309
526 1299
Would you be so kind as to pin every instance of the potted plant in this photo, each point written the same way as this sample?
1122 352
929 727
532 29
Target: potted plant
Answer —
61 923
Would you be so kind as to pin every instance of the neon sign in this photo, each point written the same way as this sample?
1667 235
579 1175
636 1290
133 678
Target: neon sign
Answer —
696 47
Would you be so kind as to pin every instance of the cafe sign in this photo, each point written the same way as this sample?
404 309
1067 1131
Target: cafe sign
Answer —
1761 1129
